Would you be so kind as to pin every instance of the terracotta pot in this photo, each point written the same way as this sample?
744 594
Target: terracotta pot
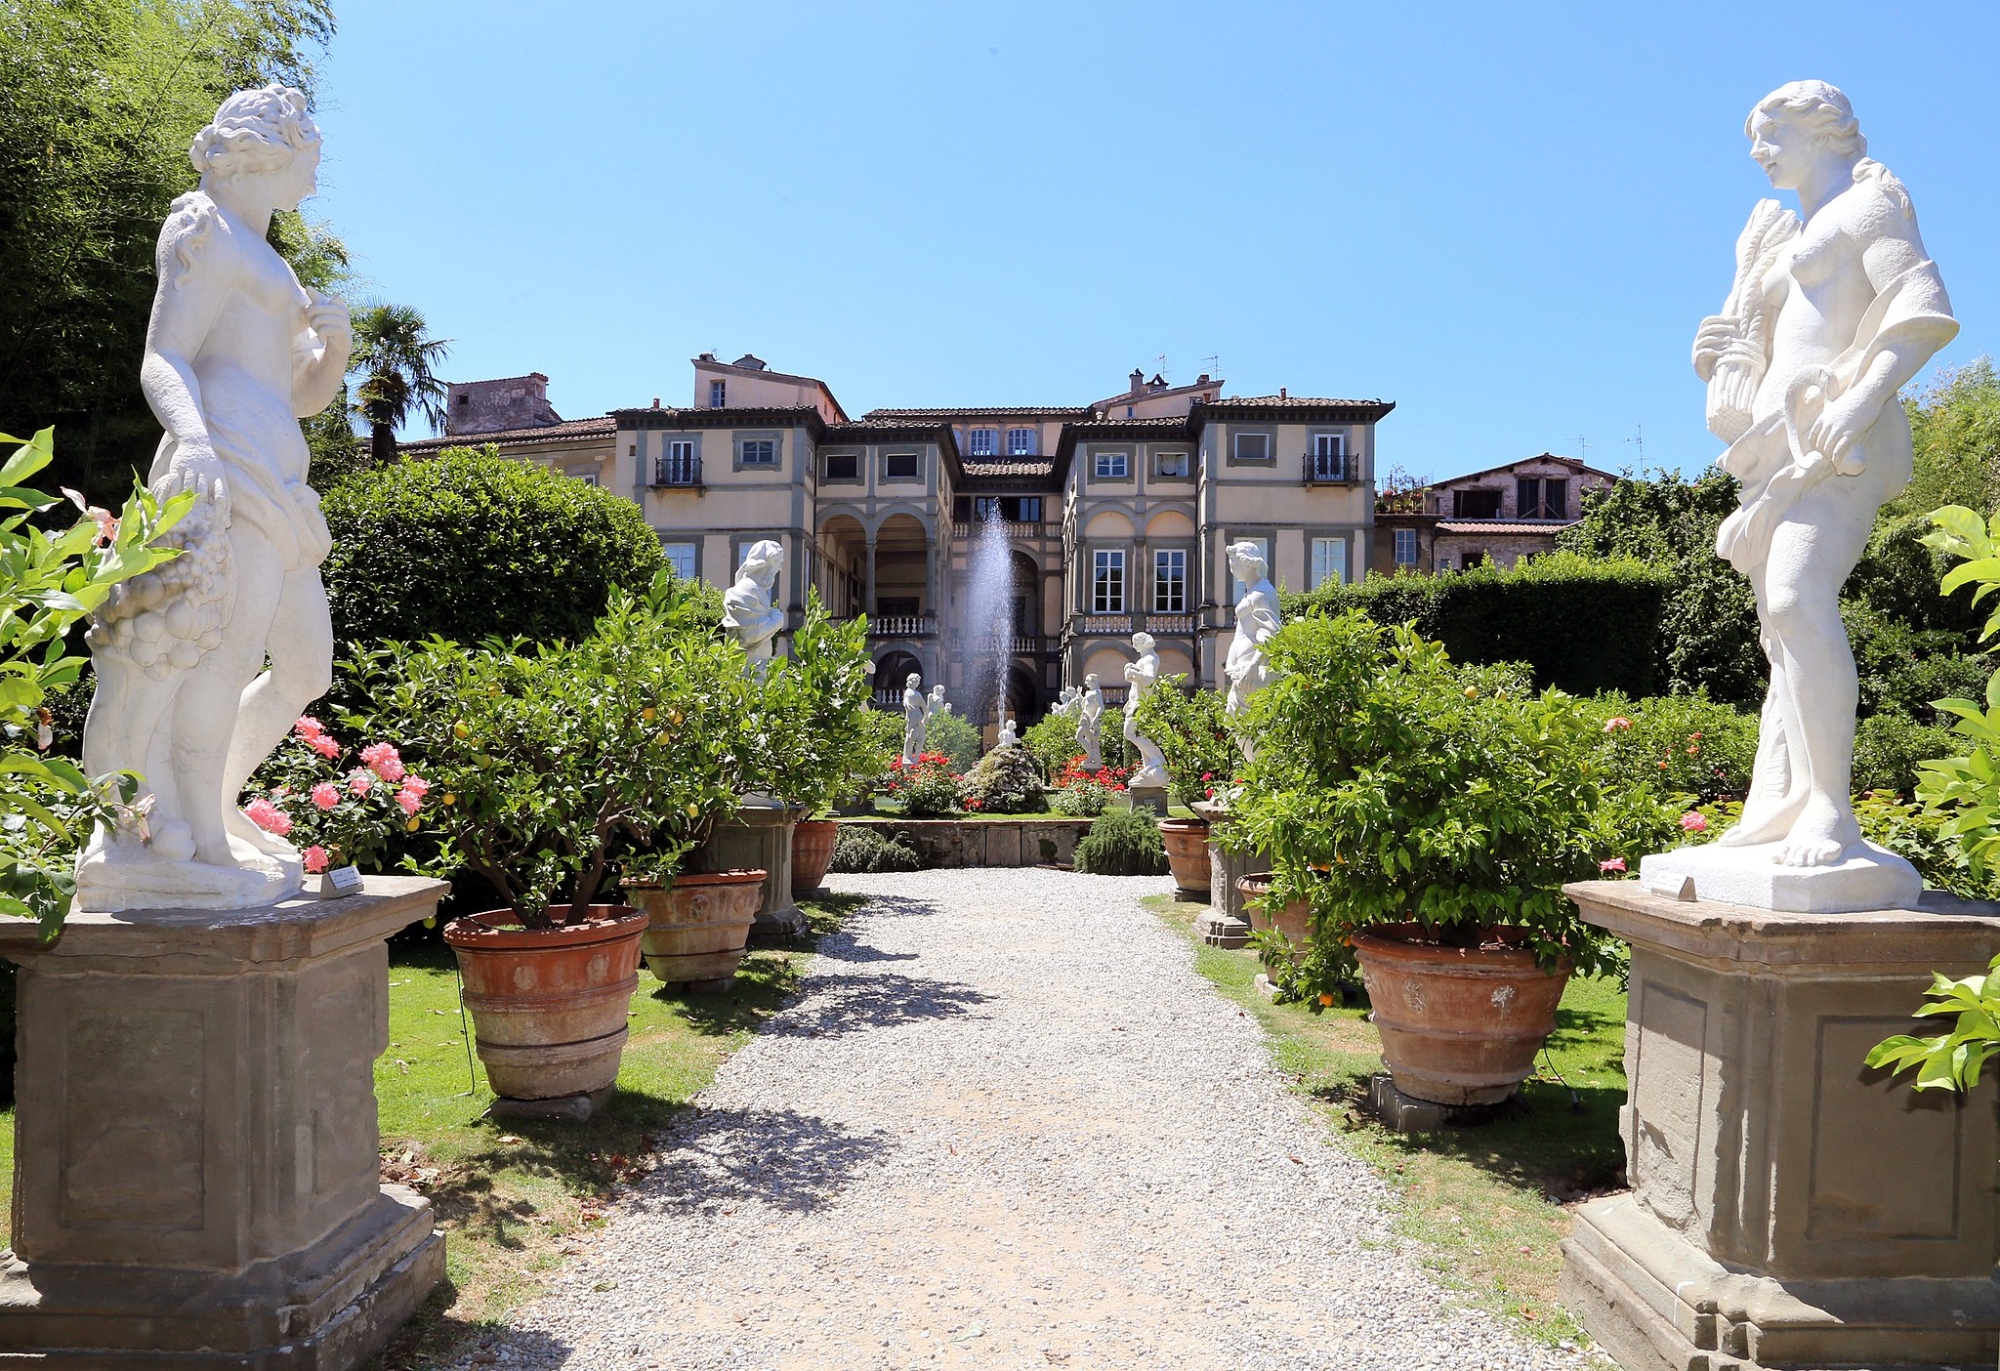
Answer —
812 854
548 1005
1187 853
1459 1025
1293 920
698 927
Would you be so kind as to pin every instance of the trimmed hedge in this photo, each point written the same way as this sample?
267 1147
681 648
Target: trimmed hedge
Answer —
1580 624
470 544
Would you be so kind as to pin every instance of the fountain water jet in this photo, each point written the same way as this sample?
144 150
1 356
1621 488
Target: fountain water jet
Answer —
989 628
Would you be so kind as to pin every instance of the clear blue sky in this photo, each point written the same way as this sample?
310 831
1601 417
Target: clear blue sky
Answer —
1506 218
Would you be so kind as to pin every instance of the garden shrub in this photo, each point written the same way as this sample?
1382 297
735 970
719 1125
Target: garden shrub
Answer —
1393 785
1193 735
1580 624
1889 748
1085 794
951 734
1052 739
928 789
1685 744
861 851
1123 842
470 544
1006 781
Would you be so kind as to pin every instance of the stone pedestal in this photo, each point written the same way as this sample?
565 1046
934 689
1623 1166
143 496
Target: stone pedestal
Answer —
1153 797
196 1181
1225 924
1789 1207
760 838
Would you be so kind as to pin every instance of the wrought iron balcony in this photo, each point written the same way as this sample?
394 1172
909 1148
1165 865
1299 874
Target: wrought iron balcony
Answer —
1330 469
680 472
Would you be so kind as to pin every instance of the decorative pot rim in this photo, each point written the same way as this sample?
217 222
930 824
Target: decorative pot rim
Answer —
829 822
487 929
1183 825
1391 942
742 875
1257 882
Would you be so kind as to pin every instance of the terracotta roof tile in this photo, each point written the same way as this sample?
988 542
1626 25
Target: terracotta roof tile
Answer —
995 412
1505 526
603 426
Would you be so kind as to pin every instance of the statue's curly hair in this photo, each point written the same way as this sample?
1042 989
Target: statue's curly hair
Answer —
1821 109
255 130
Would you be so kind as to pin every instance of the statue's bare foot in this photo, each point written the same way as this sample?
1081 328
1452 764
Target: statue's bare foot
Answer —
1821 837
238 825
1762 822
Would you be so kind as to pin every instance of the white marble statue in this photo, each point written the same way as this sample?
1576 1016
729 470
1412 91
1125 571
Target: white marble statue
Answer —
1009 735
1256 620
938 704
1068 701
236 352
1142 676
749 609
1090 723
916 719
1830 315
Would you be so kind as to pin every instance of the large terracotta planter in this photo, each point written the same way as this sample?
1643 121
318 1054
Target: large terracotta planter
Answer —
1187 853
1459 1025
812 853
1293 920
548 1005
698 927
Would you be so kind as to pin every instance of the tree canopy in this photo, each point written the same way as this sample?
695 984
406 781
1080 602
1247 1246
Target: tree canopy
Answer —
99 101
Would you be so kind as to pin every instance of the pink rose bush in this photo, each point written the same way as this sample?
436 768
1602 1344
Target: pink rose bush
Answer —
357 801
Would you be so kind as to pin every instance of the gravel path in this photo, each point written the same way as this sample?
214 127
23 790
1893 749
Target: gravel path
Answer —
1006 1125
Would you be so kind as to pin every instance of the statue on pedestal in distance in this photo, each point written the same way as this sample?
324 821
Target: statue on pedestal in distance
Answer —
916 719
1829 316
1142 676
237 351
1257 619
1090 723
749 609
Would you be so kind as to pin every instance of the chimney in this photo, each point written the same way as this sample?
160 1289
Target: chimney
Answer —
1138 379
656 402
1281 392
1202 379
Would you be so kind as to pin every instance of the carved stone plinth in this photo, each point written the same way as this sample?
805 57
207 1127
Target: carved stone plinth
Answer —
1148 797
196 1180
1789 1207
760 838
1225 924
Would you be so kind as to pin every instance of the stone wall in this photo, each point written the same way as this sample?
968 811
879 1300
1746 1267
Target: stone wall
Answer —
991 842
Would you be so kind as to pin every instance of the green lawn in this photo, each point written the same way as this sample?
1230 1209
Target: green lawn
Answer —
1486 1202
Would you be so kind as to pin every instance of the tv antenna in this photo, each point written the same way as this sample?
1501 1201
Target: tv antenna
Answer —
1160 366
1212 364
1582 450
1639 440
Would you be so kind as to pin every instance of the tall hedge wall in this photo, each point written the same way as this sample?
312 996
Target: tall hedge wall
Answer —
1583 624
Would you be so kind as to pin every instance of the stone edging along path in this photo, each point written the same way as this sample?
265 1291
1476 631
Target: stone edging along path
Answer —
1004 1116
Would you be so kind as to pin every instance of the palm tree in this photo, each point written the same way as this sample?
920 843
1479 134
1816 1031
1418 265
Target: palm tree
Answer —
393 355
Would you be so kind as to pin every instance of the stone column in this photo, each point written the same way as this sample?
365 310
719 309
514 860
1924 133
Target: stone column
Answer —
868 590
760 838
1789 1207
1225 924
196 1176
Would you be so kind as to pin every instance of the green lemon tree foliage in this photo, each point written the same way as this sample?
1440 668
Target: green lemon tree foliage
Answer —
1193 735
1967 787
1951 1060
52 578
1391 785
807 732
553 764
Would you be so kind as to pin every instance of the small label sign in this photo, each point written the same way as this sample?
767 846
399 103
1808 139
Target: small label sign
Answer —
345 880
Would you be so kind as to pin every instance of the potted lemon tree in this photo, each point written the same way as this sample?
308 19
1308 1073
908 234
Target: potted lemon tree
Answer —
1427 815
549 767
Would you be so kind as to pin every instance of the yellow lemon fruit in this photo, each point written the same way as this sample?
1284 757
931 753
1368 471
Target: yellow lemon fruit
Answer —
459 730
